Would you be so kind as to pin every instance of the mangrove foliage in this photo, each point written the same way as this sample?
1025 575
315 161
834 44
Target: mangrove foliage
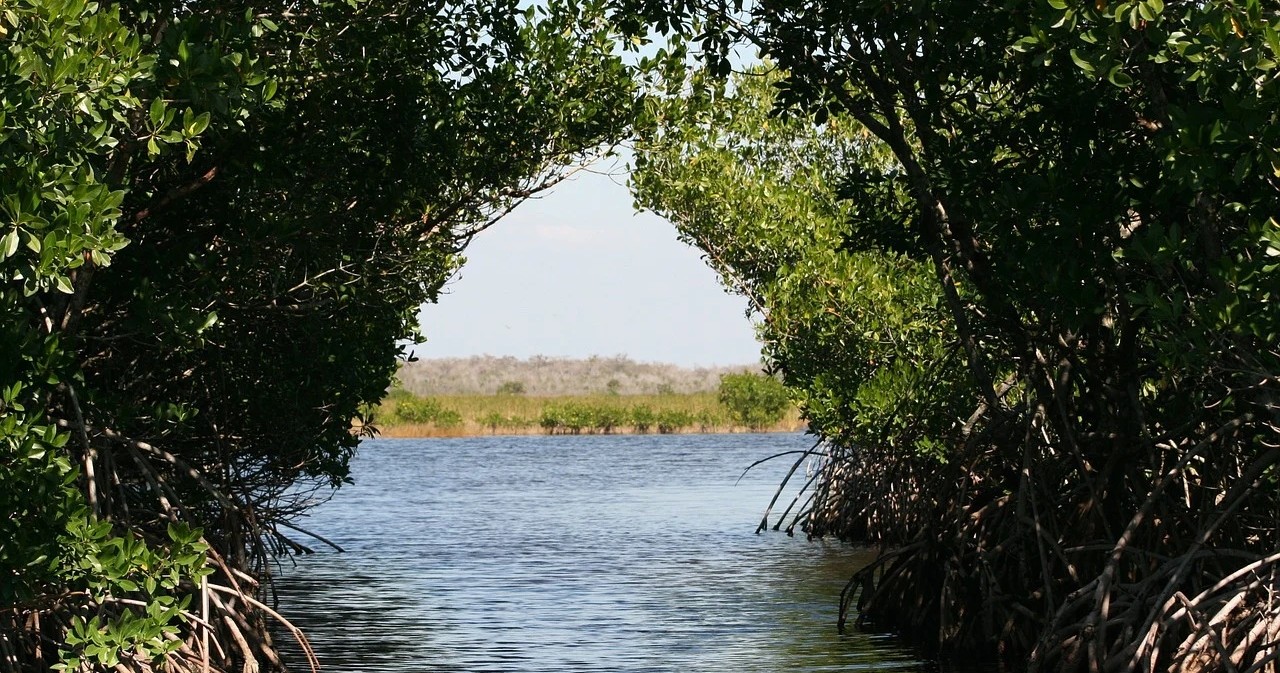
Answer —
217 222
1019 264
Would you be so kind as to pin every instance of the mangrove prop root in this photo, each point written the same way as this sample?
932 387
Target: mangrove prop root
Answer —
1040 557
227 627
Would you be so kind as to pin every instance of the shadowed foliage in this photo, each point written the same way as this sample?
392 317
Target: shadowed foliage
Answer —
1020 267
219 220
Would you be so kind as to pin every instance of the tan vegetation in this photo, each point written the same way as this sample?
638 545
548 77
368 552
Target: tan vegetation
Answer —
543 376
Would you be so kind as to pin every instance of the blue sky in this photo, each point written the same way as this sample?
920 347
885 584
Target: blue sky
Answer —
578 273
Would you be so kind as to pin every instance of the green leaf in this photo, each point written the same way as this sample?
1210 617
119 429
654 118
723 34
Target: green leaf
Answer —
197 126
157 113
1026 44
9 244
1118 77
1273 40
1081 62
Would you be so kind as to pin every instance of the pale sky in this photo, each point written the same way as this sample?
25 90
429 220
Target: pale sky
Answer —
579 273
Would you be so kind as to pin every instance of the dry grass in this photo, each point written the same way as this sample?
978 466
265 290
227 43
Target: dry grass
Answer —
485 374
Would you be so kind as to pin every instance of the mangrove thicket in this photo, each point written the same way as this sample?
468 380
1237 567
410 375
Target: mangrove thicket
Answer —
1018 262
217 223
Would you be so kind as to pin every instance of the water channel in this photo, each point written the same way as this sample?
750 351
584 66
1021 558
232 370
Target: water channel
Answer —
592 553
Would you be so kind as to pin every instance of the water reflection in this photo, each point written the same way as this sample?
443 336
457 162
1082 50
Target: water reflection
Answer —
620 553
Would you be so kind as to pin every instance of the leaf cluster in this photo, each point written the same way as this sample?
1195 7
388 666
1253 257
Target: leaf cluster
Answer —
754 400
1067 291
218 223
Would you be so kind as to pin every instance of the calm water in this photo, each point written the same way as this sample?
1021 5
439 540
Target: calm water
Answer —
599 553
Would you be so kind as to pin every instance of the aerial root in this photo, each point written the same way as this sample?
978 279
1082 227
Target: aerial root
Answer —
1042 587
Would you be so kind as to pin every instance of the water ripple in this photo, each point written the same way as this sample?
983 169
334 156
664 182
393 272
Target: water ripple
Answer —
616 553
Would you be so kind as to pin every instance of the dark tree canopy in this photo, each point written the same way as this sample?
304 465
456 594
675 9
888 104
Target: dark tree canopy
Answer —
219 221
1092 190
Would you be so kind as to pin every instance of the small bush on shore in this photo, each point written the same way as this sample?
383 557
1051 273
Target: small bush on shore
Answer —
426 410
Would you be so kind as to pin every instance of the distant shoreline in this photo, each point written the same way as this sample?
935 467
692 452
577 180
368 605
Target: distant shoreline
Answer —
542 376
406 415
427 431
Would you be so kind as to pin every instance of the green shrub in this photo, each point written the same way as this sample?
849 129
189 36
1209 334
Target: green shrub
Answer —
753 400
607 418
642 417
673 420
493 420
569 418
427 410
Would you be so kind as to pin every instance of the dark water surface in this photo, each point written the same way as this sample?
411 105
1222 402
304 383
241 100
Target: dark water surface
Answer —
594 553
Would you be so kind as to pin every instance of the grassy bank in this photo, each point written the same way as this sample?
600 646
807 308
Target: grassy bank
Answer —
406 415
